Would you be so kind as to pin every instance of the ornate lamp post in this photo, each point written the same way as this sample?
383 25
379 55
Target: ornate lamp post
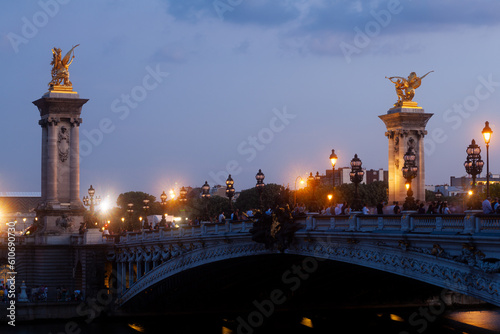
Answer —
91 202
333 160
163 199
145 207
260 185
473 165
438 195
130 212
487 137
356 176
183 198
410 170
230 190
206 195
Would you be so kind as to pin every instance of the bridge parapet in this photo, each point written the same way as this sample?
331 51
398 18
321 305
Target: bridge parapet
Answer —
467 223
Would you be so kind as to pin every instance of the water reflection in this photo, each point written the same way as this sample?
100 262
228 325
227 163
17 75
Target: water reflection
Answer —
325 321
489 319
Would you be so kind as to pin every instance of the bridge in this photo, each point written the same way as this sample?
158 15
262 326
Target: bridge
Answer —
459 252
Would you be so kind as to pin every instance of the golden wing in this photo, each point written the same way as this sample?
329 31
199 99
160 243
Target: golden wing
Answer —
65 60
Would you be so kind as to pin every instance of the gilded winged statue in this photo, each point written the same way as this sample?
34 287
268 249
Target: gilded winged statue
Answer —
405 87
60 73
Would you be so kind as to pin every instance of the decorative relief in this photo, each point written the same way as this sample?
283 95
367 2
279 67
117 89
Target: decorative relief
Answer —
63 143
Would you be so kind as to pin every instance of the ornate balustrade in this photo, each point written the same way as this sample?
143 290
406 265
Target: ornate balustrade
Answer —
467 223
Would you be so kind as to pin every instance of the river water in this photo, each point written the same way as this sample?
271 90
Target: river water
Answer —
410 320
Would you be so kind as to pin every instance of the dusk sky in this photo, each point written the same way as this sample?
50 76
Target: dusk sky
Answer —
183 92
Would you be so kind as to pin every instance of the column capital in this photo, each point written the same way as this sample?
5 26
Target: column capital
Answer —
75 121
46 121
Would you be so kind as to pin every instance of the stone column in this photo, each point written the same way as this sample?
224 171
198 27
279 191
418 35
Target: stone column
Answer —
51 163
43 123
75 163
405 128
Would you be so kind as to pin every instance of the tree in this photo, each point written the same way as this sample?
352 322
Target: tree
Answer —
273 195
136 198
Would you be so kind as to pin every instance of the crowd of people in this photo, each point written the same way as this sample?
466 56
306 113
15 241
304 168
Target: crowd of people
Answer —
490 206
39 294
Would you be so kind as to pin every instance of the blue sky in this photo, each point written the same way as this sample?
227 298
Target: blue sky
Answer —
234 86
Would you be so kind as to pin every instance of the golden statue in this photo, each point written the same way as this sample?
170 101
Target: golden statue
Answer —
405 89
60 74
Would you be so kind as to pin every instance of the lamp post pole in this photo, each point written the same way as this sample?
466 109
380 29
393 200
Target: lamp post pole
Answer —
260 186
333 160
356 176
230 190
130 212
163 198
206 195
487 137
146 208
409 170
91 202
473 165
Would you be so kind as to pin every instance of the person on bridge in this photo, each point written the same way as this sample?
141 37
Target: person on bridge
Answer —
487 206
380 208
366 211
397 209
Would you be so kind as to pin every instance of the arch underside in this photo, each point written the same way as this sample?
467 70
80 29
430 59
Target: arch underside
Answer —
440 272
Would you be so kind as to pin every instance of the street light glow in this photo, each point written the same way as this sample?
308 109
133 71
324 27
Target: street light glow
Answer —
105 205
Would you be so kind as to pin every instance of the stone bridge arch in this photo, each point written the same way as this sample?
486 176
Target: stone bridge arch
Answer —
429 264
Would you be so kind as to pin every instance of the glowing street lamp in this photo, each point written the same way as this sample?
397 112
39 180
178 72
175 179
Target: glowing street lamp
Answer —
409 170
260 184
333 160
230 190
91 202
163 199
487 137
145 207
356 176
473 165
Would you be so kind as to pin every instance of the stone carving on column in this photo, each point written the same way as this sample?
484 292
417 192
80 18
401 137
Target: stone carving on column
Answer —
64 224
396 145
63 143
411 143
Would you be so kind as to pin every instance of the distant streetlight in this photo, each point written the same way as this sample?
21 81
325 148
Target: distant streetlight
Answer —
230 190
473 165
91 202
487 137
130 212
205 193
333 160
145 207
163 199
356 176
183 198
409 170
260 185
295 192
205 190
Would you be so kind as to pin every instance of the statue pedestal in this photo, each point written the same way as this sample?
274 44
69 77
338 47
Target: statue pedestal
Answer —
405 128
60 211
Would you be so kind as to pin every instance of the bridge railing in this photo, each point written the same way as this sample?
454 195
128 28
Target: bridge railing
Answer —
205 228
467 223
